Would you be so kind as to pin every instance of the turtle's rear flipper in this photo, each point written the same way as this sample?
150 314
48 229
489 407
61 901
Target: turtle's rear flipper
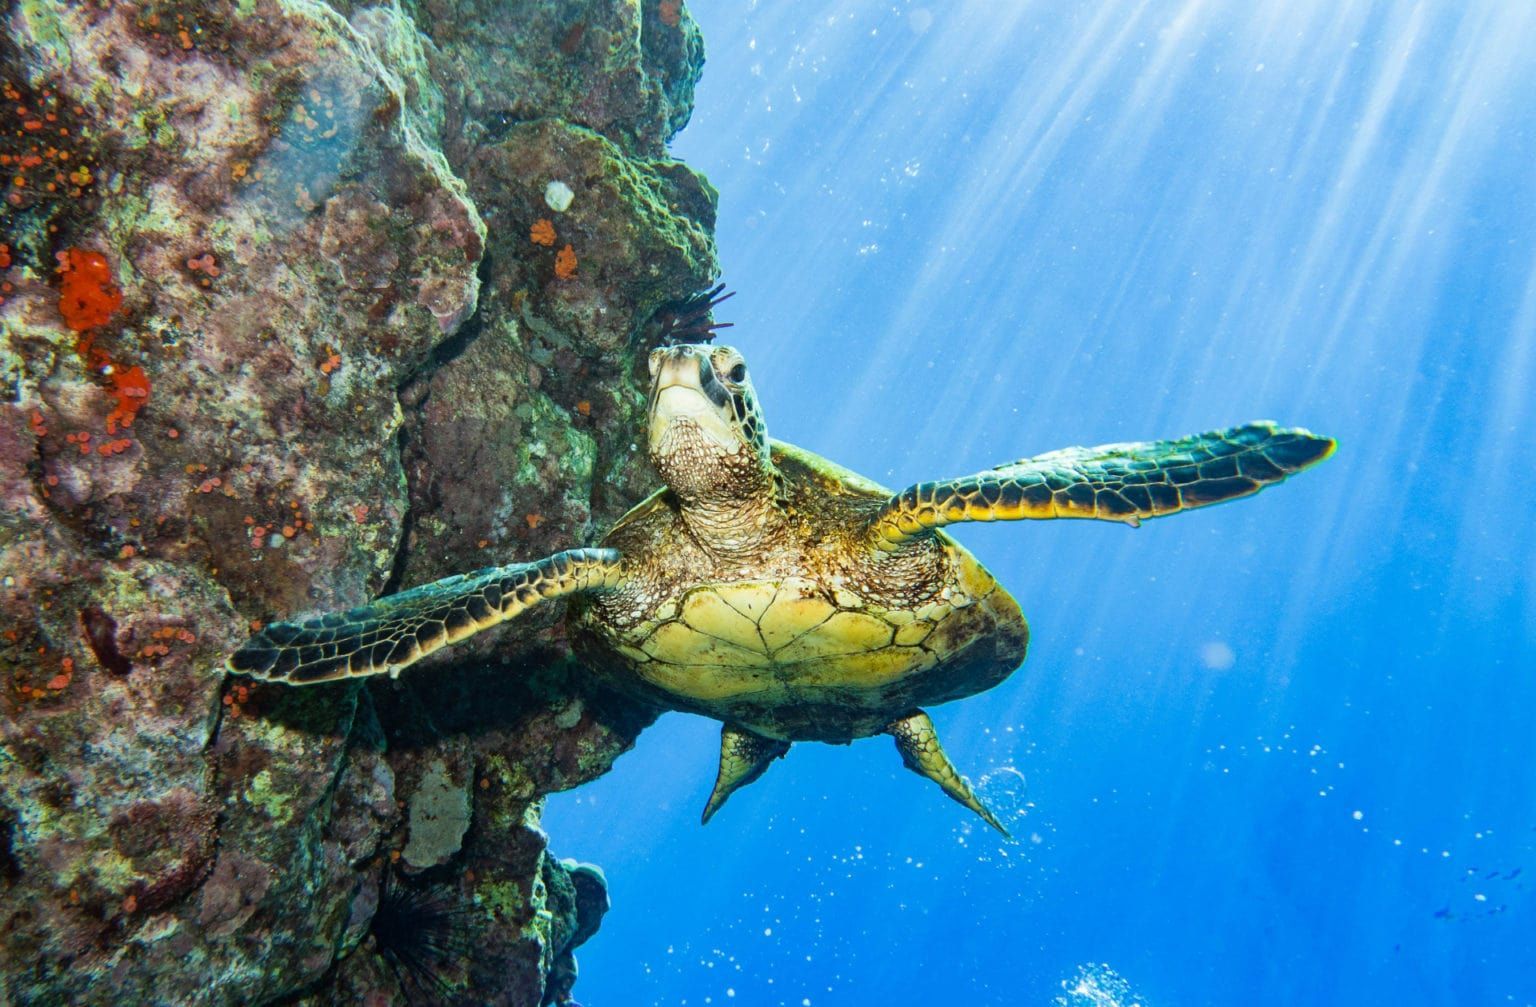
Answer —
919 745
743 758
1112 482
401 629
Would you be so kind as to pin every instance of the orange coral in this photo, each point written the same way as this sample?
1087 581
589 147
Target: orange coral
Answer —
565 263
542 232
88 298
670 12
87 295
131 390
207 265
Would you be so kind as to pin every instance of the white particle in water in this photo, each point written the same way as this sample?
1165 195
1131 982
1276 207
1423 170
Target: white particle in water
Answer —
1216 655
1358 815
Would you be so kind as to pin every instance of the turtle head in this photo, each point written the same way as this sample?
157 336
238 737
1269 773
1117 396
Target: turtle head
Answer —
707 437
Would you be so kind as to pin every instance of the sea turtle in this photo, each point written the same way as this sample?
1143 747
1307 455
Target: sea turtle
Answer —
781 594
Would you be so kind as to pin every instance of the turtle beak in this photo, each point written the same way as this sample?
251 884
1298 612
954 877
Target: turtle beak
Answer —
684 388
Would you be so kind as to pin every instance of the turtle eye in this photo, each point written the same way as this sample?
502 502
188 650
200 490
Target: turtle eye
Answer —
738 374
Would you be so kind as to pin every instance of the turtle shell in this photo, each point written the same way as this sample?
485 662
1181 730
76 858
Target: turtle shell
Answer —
821 637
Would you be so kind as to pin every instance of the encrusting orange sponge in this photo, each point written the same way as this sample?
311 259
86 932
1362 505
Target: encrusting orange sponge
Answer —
565 263
87 295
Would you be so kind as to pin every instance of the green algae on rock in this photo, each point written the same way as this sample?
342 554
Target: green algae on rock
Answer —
296 199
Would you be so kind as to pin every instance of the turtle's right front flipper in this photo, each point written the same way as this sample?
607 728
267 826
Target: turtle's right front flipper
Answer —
399 630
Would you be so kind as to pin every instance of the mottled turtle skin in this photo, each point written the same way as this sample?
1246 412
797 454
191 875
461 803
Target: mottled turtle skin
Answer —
783 595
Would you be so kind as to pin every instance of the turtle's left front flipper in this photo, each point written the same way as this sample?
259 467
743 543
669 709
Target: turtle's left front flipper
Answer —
403 628
1114 482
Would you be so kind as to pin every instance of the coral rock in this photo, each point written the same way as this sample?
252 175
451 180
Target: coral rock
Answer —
260 363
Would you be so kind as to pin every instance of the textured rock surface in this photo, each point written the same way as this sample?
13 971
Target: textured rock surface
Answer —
342 343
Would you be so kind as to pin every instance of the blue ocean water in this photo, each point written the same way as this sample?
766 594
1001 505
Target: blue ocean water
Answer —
1282 751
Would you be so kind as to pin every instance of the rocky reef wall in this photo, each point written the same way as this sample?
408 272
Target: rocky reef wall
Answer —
299 302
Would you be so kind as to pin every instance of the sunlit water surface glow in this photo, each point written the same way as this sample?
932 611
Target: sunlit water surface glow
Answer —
1278 752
